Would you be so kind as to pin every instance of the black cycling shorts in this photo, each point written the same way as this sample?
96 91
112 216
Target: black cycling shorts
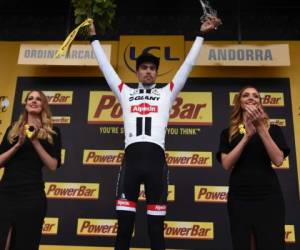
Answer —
143 163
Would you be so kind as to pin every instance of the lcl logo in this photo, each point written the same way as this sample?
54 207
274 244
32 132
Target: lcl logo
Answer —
165 52
4 103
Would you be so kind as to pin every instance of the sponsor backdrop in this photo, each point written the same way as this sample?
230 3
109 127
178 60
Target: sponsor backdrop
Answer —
81 193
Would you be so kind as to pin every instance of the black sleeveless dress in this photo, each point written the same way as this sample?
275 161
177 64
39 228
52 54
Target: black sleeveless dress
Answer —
22 198
255 201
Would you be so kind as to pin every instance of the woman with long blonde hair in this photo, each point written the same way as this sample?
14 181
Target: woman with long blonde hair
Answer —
29 144
248 148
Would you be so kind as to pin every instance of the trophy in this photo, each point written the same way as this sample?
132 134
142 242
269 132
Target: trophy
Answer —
209 13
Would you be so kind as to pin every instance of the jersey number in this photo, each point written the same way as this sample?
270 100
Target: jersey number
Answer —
139 126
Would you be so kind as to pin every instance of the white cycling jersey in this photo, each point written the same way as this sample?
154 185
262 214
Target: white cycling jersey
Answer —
146 110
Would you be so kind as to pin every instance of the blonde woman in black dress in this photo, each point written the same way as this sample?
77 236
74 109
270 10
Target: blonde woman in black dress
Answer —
248 148
28 145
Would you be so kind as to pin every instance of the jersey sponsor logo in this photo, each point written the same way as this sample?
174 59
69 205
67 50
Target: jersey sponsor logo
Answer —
102 157
156 210
97 227
270 99
126 203
213 194
50 226
55 97
81 191
61 119
278 122
289 235
188 159
4 103
62 155
170 195
144 108
189 230
138 97
190 108
157 207
285 165
140 93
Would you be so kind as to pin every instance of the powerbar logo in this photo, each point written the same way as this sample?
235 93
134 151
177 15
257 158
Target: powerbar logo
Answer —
50 226
190 108
189 159
55 97
189 230
285 165
173 158
102 157
213 194
81 191
61 119
278 122
97 227
290 234
270 99
170 197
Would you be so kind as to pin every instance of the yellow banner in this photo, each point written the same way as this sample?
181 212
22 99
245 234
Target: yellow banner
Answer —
61 119
50 226
211 194
57 97
189 159
192 108
43 54
189 108
189 230
97 227
270 99
170 50
244 55
102 157
64 190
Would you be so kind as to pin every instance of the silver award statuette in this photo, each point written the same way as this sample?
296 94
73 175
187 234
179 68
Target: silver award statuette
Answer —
208 11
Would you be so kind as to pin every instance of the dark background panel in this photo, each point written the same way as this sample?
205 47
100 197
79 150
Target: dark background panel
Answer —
242 19
80 135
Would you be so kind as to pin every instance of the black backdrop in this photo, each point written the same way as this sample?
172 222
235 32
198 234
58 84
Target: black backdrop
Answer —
79 135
